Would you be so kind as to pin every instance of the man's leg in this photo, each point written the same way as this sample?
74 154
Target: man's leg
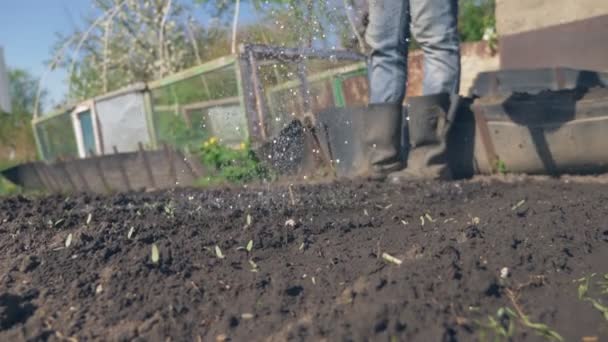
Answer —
434 25
435 28
388 34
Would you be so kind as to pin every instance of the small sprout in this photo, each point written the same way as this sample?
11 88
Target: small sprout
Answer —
89 218
130 233
389 258
247 316
314 281
249 246
254 266
302 246
58 222
429 217
388 206
68 241
448 220
476 220
422 220
218 252
504 272
519 204
155 256
290 223
248 221
404 222
365 212
541 329
98 289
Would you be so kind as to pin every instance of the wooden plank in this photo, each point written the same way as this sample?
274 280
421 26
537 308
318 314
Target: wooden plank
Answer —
195 71
259 97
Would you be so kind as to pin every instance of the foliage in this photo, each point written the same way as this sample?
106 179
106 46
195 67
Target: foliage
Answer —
129 41
22 88
501 327
230 165
475 18
501 167
583 293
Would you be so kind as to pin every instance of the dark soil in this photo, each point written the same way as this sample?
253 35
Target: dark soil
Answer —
317 271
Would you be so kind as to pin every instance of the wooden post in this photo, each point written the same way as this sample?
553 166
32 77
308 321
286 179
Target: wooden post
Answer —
100 172
123 173
146 162
171 160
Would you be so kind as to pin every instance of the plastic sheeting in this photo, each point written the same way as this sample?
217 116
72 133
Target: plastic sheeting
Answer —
228 123
122 121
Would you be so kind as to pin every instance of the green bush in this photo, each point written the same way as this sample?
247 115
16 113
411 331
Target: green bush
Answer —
230 165
475 18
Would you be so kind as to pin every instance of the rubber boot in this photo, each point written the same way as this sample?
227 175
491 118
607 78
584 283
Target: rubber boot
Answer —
382 128
430 120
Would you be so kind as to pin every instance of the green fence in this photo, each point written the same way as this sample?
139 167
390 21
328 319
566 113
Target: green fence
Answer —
234 98
190 107
55 137
326 89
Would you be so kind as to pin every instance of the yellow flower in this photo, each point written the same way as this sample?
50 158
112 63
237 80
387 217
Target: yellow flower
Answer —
242 146
213 140
206 144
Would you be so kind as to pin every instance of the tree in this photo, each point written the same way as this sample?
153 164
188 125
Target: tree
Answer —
129 41
22 89
475 17
16 136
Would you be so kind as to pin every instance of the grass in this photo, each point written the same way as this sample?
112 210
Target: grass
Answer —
585 287
503 325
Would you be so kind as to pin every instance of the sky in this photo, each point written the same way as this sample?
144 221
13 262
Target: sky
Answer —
28 31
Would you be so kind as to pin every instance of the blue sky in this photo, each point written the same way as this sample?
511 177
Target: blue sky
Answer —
28 31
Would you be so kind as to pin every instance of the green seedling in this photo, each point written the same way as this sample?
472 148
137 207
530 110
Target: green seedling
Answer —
391 259
249 246
519 204
541 329
254 266
583 293
68 241
500 327
218 252
89 218
501 167
170 210
155 256
130 233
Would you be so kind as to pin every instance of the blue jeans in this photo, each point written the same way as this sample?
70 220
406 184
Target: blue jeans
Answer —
433 24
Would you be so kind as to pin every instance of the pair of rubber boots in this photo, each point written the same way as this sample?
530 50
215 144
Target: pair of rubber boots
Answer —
430 120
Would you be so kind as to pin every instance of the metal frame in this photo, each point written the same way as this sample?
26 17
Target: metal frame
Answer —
336 75
77 126
251 94
256 101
